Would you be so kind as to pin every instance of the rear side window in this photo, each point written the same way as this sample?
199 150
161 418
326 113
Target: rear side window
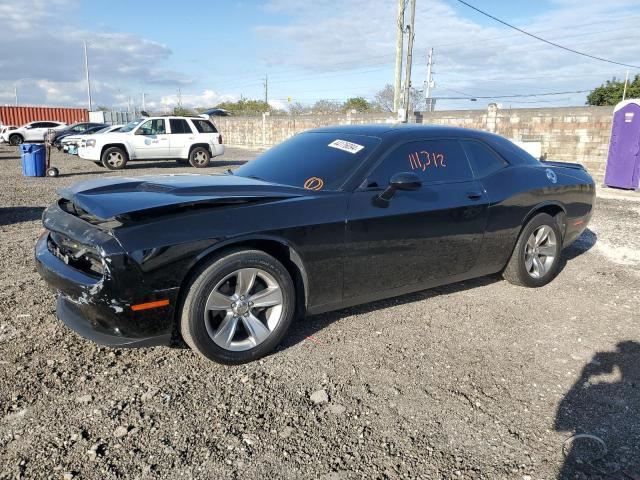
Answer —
483 160
204 126
435 161
49 125
178 125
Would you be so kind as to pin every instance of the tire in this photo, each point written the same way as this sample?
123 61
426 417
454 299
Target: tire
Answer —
114 158
199 157
536 257
216 285
16 140
52 172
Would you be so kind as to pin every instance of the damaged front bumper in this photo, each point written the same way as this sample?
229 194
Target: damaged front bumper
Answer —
99 306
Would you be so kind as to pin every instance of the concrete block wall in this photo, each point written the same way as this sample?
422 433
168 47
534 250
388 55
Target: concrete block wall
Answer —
572 134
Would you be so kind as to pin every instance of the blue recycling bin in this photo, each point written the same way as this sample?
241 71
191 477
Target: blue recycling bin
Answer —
34 159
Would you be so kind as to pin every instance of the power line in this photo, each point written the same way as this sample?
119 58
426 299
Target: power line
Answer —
546 41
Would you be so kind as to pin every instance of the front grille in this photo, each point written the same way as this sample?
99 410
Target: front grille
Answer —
78 256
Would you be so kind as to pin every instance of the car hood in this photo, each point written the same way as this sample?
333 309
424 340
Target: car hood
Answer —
123 198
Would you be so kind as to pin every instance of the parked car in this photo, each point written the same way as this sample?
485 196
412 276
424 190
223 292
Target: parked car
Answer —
5 129
330 218
76 129
193 140
216 112
70 143
31 132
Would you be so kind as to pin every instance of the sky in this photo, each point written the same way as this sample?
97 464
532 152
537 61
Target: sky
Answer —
214 51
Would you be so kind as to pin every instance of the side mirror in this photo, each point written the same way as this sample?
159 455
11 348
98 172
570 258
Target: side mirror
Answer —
401 181
139 132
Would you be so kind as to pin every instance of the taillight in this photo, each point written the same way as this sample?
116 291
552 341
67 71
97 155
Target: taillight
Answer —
220 138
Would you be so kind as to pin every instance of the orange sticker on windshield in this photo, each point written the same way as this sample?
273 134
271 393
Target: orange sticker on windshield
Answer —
314 183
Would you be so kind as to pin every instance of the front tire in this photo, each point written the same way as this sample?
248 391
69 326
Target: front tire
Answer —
16 140
114 158
200 157
536 257
238 307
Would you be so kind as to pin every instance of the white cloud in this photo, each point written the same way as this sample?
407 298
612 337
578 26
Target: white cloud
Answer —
206 98
331 35
42 54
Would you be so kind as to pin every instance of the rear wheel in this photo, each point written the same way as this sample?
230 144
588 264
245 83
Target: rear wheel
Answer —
238 308
199 157
535 259
16 139
114 158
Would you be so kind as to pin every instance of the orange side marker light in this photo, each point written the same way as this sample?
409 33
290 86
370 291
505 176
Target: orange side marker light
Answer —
149 305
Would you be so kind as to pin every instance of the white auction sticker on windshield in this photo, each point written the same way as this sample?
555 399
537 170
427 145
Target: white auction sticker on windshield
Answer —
346 146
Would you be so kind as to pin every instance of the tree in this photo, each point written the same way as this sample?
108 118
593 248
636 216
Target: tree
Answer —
383 99
326 107
359 104
182 112
297 108
246 107
610 93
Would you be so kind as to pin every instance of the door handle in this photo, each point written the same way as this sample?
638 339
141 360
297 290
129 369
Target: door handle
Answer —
474 195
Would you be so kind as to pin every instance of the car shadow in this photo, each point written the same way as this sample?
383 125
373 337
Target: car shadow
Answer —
601 411
302 329
11 215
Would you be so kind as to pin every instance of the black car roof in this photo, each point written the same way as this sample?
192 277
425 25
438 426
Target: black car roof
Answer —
401 131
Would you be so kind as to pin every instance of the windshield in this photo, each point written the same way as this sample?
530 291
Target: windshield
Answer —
316 161
131 125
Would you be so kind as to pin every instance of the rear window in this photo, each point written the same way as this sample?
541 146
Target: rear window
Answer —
204 126
511 151
483 160
313 160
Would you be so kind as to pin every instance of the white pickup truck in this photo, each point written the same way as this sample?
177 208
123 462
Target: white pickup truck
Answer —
193 140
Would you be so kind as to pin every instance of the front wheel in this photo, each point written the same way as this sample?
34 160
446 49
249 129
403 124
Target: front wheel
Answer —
16 140
114 158
238 308
199 157
536 258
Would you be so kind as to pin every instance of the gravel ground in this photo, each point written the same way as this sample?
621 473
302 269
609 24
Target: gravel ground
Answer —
479 379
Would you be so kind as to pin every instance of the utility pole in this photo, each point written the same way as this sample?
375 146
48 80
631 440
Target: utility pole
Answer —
15 93
407 74
86 71
399 44
179 98
266 88
429 84
626 81
144 102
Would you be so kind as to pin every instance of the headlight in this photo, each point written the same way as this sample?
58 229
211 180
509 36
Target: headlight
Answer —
91 143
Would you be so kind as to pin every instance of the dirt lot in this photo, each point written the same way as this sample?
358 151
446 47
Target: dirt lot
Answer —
475 380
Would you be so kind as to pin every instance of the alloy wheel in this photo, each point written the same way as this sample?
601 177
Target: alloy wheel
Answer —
243 309
200 157
540 251
115 159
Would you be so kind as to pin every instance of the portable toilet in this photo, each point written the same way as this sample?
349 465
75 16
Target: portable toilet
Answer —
623 162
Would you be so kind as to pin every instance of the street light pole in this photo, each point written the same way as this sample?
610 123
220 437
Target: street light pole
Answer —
86 71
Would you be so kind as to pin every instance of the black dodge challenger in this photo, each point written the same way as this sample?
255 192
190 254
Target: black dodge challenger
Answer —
330 218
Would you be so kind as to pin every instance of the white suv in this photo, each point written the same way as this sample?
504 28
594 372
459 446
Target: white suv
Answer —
193 140
31 132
